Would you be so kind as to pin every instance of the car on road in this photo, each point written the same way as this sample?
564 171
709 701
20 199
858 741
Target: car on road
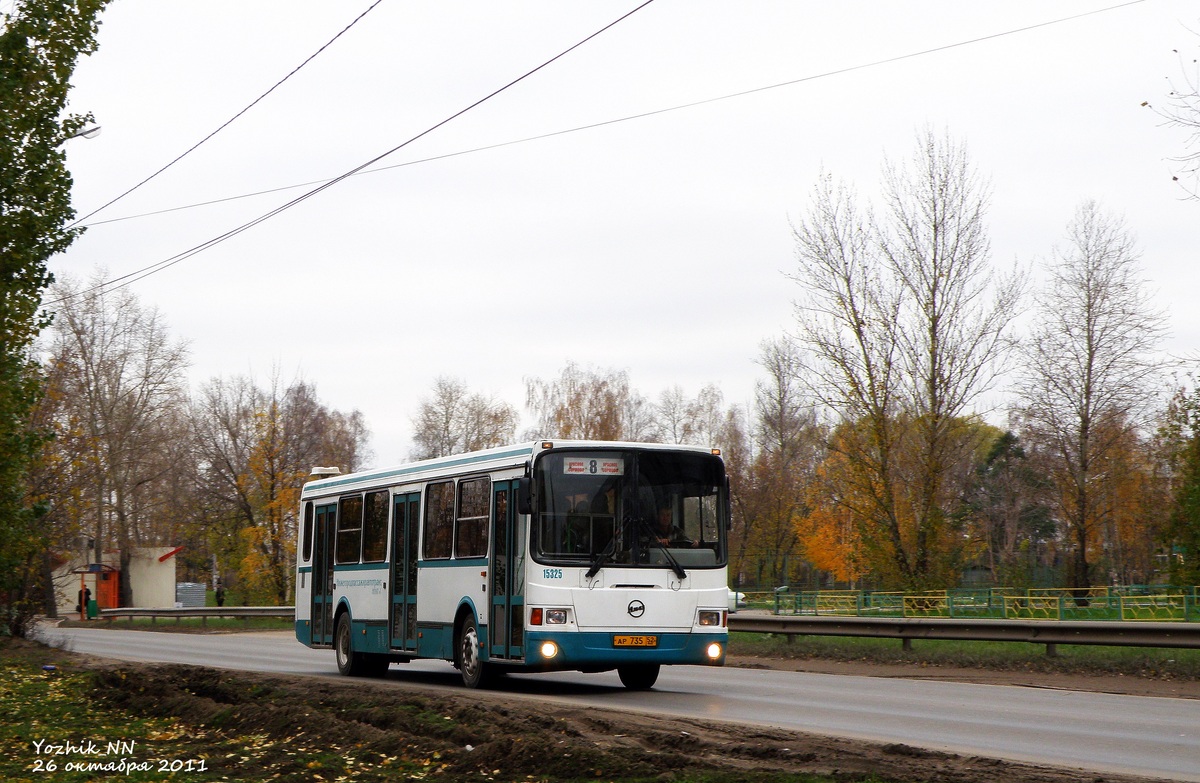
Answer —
736 600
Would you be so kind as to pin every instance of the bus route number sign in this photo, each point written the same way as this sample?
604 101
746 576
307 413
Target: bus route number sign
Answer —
594 466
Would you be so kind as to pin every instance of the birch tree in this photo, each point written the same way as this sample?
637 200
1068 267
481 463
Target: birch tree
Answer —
589 404
703 420
453 420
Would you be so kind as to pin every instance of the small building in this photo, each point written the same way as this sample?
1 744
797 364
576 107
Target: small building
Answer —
151 579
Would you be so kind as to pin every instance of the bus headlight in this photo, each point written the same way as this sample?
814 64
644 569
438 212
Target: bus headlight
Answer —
549 649
709 618
556 616
714 651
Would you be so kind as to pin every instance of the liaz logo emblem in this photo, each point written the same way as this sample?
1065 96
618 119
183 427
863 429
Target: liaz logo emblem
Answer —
636 609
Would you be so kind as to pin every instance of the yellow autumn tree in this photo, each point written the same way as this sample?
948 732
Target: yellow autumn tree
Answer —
858 520
831 542
256 447
863 516
272 490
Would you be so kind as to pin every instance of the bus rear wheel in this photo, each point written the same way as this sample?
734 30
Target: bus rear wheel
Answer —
638 677
351 663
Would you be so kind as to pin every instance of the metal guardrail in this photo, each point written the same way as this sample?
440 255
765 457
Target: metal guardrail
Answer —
203 612
1047 632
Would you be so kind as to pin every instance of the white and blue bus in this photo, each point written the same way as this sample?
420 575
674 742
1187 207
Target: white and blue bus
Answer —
563 555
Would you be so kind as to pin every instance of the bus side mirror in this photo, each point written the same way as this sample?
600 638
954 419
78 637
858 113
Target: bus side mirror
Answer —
524 495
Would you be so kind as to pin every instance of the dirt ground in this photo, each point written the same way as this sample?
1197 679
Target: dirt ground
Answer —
482 732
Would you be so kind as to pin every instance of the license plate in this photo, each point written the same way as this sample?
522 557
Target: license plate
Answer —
635 641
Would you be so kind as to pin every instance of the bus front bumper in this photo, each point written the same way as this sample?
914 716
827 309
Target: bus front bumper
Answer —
608 649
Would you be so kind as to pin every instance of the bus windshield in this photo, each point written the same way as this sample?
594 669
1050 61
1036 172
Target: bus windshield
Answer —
630 508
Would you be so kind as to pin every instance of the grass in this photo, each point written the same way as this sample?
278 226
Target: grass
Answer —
56 731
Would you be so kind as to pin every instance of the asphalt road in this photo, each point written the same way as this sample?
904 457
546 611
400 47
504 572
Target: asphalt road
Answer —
1151 737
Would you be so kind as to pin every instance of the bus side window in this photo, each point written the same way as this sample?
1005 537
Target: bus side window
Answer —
349 530
306 534
472 525
439 520
375 520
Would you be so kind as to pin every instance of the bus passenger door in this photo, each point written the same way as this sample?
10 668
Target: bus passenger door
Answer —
322 575
404 571
508 575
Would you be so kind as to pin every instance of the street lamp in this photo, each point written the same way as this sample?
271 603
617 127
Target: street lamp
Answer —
87 133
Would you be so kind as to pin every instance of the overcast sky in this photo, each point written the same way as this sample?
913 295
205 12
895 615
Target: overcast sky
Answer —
659 246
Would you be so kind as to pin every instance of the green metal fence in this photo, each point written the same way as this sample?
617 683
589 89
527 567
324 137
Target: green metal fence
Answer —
1149 603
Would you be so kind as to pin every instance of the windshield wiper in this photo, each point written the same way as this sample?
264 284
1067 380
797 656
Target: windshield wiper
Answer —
601 557
604 555
597 564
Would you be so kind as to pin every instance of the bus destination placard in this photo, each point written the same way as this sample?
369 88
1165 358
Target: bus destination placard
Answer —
594 466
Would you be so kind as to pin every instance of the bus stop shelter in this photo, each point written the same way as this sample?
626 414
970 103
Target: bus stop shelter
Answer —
107 579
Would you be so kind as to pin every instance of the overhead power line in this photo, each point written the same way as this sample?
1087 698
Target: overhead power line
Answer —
228 122
628 118
144 272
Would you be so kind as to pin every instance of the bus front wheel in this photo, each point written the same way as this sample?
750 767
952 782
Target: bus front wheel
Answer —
475 672
639 677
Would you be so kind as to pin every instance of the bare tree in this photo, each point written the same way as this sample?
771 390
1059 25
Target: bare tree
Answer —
453 420
589 405
705 420
222 418
701 421
1182 110
674 425
789 444
121 376
906 326
1088 366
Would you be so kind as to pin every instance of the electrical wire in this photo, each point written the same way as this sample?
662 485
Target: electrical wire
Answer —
144 272
228 122
628 118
